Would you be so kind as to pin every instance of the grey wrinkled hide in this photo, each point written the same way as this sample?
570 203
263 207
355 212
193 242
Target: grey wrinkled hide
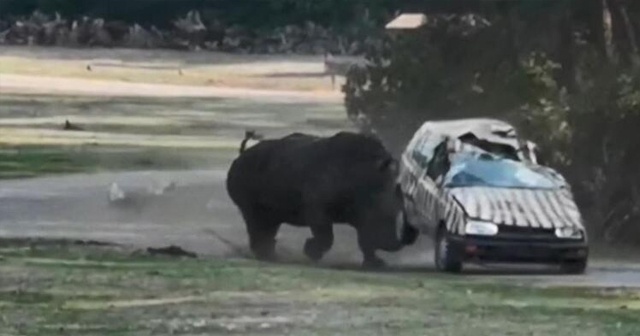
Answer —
314 182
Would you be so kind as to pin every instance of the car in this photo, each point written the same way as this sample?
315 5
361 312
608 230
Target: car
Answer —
474 187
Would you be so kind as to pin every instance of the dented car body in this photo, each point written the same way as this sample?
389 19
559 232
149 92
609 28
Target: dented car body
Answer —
475 186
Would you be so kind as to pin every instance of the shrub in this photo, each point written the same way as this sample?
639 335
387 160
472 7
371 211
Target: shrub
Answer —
454 69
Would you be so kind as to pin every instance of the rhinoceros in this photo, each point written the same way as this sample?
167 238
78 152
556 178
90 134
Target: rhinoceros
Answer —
311 181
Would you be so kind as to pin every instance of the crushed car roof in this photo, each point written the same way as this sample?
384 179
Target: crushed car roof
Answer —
492 130
489 134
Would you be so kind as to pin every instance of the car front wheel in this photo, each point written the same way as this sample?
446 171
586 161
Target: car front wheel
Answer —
446 258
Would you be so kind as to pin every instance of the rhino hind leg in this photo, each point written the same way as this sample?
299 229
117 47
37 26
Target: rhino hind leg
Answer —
373 262
262 232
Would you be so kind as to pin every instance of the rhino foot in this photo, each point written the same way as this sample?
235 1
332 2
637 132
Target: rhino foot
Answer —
313 250
373 262
266 254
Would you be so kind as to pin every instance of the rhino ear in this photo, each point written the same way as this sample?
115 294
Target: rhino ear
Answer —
388 164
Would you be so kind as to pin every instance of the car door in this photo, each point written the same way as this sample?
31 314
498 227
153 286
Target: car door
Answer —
422 155
409 181
413 167
425 200
429 194
410 172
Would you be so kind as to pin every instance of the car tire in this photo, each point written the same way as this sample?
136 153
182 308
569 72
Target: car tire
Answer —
574 266
446 259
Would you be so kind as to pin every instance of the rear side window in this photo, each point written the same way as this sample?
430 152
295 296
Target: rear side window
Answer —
423 150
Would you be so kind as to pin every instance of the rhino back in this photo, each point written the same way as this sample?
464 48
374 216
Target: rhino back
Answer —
255 173
279 174
336 162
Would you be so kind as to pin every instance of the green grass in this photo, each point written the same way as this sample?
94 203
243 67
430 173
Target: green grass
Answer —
26 163
142 133
67 289
32 161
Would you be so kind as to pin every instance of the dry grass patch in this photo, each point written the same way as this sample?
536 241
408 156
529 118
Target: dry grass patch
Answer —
295 76
125 293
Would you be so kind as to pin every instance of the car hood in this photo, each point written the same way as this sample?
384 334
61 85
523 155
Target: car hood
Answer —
521 207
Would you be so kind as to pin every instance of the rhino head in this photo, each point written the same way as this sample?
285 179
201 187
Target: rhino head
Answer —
381 222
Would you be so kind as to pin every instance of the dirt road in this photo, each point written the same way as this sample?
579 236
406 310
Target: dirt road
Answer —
197 215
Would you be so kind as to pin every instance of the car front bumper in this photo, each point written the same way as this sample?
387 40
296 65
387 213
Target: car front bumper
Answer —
499 250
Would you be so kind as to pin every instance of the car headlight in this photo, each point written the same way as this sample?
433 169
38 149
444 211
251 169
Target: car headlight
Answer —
569 233
481 228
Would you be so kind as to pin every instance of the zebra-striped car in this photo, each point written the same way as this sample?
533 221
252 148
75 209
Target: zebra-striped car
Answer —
483 201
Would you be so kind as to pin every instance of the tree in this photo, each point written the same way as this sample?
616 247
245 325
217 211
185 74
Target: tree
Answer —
567 79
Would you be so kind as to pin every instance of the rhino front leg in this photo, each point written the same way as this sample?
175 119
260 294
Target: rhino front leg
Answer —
370 259
322 229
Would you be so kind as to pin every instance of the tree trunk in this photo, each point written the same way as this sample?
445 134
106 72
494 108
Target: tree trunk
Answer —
565 49
513 33
598 29
631 36
623 33
607 29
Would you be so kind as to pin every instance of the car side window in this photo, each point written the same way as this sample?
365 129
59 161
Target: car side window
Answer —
440 164
423 150
416 153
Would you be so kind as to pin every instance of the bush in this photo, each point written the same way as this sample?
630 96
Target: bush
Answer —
454 69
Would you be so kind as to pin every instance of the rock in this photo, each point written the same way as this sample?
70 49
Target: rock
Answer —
116 193
172 250
99 35
191 29
191 23
68 126
3 36
139 37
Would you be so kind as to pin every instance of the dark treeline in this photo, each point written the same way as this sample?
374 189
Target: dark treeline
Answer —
263 26
250 13
254 13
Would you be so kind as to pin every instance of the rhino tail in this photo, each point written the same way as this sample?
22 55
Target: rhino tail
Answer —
248 135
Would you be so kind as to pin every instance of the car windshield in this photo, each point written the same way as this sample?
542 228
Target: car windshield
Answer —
472 170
